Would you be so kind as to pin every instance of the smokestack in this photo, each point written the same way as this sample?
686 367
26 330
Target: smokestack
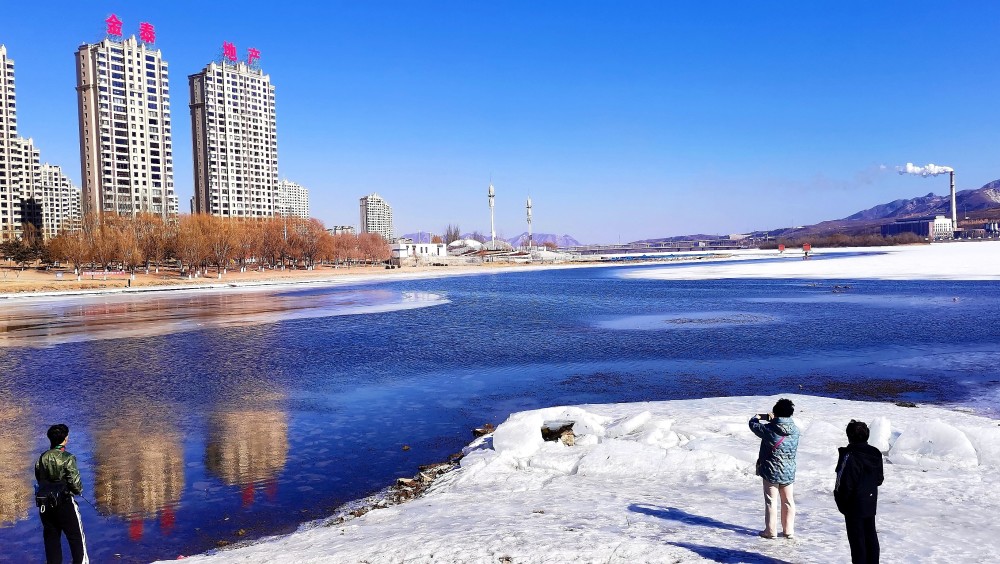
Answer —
954 215
934 170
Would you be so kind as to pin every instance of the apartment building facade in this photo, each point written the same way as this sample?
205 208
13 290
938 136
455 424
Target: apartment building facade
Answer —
376 216
126 150
234 141
293 199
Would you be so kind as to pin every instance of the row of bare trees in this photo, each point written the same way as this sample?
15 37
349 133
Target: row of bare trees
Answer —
195 243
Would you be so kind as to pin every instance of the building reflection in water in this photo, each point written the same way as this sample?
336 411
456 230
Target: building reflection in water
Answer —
139 467
248 446
16 463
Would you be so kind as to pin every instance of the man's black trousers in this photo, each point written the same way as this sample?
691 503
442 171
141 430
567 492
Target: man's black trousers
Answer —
863 539
64 520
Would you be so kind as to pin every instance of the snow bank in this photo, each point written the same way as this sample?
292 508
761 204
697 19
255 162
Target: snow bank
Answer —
674 482
979 260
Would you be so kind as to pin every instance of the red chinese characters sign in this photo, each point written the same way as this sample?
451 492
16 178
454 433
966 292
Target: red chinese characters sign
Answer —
229 51
114 25
147 33
253 55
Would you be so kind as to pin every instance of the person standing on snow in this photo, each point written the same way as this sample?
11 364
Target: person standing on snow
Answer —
859 474
779 442
58 481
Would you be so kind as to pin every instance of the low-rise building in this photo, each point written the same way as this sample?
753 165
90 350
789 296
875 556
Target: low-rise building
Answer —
929 227
342 230
404 249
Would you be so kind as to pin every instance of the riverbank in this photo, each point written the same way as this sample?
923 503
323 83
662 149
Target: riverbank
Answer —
32 283
673 481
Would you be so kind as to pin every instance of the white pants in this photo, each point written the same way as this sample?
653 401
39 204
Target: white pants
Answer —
771 493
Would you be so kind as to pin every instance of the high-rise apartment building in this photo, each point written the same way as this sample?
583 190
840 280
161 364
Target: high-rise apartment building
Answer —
11 164
30 184
126 154
293 199
60 201
234 139
376 216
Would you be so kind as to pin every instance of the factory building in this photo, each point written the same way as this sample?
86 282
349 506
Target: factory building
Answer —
933 227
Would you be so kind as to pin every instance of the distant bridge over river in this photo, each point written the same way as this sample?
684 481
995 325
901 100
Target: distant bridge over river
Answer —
662 247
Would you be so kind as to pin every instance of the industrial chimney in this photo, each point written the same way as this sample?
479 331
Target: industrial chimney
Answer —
954 214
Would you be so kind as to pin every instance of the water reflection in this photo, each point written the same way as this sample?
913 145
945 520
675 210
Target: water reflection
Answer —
248 447
55 321
139 466
16 462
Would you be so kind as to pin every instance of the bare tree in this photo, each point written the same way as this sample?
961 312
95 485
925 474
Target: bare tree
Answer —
273 243
222 241
308 239
70 246
248 242
191 246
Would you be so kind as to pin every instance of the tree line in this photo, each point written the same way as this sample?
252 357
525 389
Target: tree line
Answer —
194 243
842 240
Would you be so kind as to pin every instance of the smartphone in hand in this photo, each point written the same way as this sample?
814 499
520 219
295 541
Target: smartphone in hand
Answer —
764 416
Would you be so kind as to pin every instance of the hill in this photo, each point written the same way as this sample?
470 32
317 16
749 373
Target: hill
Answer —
541 238
975 205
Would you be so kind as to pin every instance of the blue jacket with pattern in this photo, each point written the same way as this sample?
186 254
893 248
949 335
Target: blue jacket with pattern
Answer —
779 441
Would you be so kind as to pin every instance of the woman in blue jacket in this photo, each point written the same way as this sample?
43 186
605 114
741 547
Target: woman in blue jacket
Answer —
779 441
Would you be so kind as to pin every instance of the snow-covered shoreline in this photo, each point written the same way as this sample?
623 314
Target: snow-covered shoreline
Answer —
674 481
965 260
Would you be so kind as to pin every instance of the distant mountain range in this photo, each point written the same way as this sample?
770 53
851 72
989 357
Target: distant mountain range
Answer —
537 238
984 198
976 204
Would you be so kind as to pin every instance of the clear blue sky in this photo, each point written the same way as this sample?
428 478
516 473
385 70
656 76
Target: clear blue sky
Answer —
621 120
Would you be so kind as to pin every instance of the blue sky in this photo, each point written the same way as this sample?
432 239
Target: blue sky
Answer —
621 120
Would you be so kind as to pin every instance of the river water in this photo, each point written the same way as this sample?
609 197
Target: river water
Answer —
201 418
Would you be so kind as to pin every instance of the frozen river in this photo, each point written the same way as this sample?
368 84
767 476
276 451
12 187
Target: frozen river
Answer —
202 418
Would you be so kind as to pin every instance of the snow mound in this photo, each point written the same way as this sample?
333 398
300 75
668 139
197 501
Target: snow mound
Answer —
934 444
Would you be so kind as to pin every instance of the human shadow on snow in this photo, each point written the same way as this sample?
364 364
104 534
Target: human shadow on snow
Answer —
728 555
674 514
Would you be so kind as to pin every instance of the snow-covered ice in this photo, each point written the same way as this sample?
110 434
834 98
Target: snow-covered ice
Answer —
674 481
979 260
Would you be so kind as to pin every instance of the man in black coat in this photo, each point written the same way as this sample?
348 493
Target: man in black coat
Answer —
859 474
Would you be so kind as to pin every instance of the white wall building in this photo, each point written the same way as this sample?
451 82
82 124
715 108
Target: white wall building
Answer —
376 216
126 153
60 201
293 199
234 139
409 249
12 166
342 230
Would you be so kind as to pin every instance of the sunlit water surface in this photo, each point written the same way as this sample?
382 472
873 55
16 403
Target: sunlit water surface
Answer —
202 418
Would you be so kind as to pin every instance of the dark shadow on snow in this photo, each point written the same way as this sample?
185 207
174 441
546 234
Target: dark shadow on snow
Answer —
728 555
674 514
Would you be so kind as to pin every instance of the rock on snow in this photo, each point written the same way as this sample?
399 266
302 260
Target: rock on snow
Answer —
674 481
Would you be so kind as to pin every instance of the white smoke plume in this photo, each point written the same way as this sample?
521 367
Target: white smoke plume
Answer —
929 170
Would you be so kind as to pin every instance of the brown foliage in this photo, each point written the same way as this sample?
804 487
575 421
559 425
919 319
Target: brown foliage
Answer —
842 240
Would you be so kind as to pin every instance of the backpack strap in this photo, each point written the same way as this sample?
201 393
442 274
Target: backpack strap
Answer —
778 444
